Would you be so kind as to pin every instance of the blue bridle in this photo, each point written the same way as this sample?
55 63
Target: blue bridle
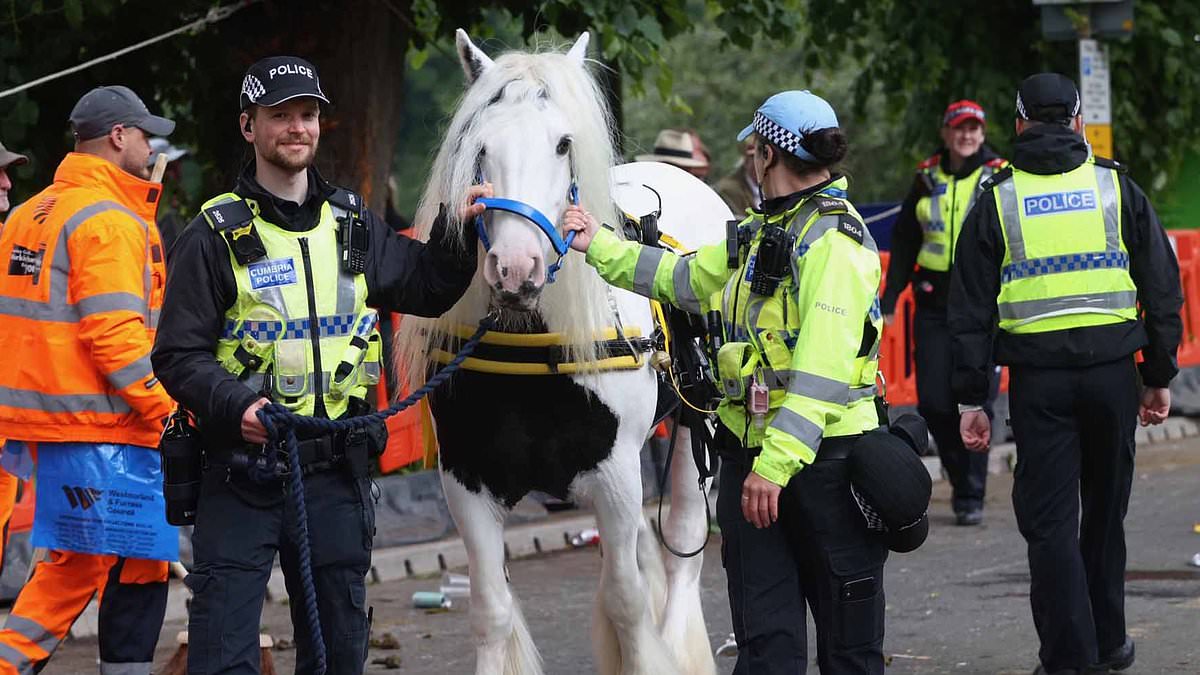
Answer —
519 208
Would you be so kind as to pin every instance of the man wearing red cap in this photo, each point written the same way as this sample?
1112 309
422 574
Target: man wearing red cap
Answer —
930 221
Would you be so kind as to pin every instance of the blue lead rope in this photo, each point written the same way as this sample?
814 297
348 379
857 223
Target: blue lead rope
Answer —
282 425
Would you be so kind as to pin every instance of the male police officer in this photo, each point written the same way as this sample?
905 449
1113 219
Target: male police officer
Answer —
270 299
1063 249
930 222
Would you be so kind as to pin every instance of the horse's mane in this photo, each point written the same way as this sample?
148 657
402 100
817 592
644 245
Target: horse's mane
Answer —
577 304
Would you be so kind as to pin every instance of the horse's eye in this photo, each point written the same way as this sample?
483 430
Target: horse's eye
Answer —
564 145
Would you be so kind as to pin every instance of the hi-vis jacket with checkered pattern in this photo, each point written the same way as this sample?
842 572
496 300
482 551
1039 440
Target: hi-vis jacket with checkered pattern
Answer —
814 342
80 299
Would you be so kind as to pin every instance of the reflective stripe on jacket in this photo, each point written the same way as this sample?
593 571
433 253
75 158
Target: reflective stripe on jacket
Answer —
1065 262
807 339
79 305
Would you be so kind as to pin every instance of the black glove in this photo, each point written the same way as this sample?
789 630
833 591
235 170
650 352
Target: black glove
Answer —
445 240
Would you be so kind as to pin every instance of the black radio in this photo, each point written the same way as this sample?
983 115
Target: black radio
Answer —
354 237
772 261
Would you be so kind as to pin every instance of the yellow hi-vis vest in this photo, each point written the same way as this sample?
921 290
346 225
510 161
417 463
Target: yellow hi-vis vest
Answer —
941 214
1065 264
814 342
300 327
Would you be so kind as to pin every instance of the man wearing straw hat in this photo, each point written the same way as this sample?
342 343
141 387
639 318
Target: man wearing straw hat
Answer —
681 148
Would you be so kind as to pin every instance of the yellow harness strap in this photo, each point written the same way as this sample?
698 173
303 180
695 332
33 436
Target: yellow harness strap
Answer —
535 340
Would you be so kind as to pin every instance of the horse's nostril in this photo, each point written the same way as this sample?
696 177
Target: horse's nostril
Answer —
504 272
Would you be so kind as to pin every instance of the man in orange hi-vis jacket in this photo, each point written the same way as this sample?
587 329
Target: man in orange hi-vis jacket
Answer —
79 299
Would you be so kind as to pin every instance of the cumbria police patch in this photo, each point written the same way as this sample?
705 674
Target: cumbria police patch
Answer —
1060 202
270 273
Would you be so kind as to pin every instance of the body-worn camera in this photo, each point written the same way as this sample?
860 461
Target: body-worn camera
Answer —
772 261
182 467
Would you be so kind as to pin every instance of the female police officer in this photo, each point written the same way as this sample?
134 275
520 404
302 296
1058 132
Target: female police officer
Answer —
797 369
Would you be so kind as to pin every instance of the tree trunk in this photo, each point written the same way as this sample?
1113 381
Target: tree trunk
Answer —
610 81
359 49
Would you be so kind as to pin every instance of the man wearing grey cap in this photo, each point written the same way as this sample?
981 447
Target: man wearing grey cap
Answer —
1064 253
79 302
8 159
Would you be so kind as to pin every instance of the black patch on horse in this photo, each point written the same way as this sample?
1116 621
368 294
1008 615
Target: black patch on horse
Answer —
517 433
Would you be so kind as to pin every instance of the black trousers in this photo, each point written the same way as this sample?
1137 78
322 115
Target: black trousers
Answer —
1074 429
234 545
819 552
966 470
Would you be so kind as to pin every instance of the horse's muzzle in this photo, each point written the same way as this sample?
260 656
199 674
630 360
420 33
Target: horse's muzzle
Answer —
524 300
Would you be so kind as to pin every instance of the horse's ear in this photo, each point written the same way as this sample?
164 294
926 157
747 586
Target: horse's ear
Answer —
579 50
474 61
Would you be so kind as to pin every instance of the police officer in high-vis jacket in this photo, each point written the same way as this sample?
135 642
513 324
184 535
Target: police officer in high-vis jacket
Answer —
272 297
1065 255
925 233
796 292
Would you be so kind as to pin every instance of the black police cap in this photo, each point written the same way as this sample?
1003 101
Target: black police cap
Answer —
276 79
1048 97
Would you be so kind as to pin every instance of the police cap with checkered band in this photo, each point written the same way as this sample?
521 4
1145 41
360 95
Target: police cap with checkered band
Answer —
276 79
787 117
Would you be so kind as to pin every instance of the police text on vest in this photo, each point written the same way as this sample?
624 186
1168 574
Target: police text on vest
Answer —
269 273
1059 202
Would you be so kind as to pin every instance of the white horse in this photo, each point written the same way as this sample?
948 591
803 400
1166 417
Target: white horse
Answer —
536 127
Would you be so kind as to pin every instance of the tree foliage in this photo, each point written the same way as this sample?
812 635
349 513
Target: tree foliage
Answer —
717 91
923 55
196 77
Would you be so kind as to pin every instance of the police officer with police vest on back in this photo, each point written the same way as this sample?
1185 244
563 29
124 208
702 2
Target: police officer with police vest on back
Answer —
930 221
270 299
1065 254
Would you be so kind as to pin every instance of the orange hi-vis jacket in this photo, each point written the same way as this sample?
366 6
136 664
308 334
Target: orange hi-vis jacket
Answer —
79 302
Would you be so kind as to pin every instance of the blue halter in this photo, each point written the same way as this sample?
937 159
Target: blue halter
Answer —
519 208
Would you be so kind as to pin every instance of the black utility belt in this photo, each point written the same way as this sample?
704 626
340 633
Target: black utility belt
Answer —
316 454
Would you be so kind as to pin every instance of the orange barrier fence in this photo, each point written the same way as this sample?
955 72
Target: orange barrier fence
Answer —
896 347
1187 249
405 430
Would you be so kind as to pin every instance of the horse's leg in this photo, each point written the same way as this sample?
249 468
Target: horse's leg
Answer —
616 494
685 528
502 642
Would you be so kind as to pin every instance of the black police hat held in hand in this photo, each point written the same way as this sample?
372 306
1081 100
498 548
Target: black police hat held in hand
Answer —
892 488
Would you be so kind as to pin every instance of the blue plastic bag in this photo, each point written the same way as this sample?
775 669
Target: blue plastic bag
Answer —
16 459
102 498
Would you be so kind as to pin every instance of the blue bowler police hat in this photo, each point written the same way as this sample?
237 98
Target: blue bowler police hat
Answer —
785 118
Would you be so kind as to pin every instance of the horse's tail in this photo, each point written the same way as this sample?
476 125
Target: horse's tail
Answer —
685 527
521 656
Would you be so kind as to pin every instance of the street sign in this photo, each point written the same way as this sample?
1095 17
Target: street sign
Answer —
1101 18
1094 82
1096 96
